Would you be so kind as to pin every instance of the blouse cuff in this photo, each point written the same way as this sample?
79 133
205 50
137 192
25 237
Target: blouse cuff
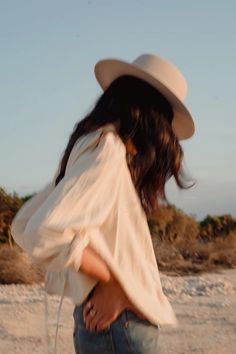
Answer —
79 243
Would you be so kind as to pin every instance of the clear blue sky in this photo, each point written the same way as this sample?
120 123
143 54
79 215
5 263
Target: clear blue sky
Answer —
48 52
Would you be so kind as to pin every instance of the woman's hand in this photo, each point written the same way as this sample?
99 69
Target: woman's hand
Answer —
108 298
108 301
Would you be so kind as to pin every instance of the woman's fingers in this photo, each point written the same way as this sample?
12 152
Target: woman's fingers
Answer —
98 322
107 302
103 324
86 308
90 316
92 321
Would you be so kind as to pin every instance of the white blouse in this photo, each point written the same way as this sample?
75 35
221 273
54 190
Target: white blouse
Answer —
95 203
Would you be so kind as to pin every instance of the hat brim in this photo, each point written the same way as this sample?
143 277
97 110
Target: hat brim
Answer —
107 70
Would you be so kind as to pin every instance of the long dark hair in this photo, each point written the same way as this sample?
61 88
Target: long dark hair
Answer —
145 116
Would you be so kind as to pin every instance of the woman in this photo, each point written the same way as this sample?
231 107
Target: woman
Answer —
88 226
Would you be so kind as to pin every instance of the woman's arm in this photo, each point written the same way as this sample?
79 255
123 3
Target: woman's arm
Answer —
62 226
93 265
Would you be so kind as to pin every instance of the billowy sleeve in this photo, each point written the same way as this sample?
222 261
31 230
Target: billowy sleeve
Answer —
27 210
55 226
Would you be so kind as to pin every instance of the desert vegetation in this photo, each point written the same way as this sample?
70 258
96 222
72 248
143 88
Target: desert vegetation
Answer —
182 245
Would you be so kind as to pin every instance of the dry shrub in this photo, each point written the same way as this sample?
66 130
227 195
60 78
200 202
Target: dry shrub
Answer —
195 256
224 257
171 261
170 223
16 267
183 246
9 205
224 251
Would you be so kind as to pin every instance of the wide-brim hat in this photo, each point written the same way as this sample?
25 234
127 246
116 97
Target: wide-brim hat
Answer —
159 73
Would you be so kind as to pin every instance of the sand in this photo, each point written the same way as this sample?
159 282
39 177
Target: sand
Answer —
204 304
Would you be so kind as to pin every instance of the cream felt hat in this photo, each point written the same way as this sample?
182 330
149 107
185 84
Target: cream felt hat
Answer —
159 73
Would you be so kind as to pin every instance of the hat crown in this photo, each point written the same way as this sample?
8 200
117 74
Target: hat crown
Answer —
162 75
165 72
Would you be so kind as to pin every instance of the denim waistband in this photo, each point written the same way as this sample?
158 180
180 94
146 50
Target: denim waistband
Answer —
125 316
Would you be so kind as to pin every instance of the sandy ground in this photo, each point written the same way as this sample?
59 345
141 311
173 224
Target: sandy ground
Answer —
205 306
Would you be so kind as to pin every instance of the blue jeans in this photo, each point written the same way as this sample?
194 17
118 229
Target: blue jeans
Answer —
128 334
